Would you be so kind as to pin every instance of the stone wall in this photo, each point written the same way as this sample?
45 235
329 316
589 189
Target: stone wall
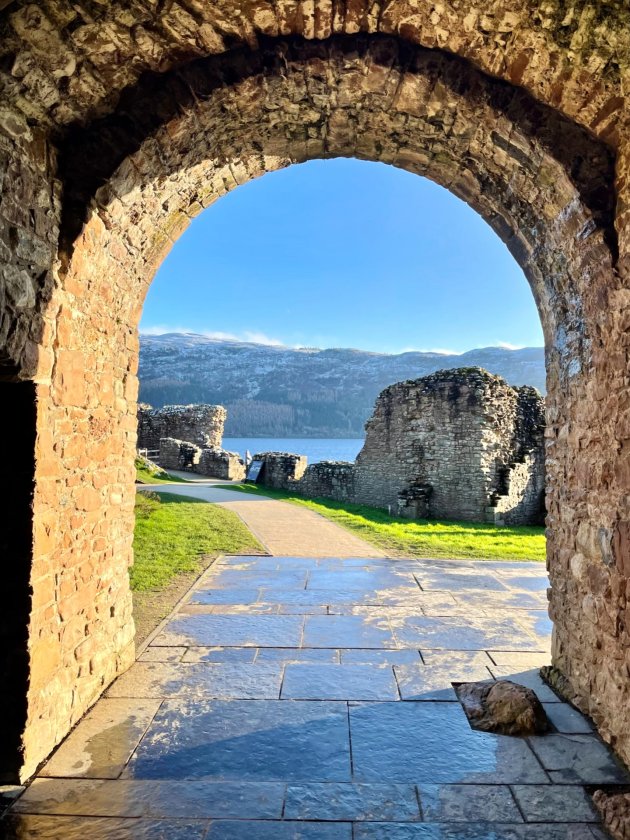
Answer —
463 440
459 444
199 424
208 460
327 479
281 468
106 154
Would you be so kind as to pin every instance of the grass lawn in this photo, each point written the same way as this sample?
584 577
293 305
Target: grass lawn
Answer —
177 535
421 537
143 476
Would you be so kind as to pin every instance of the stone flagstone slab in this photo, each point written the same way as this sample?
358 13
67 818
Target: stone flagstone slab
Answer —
469 803
572 759
219 654
359 656
284 830
455 581
529 678
460 634
254 579
567 720
555 803
233 631
351 802
35 827
433 743
202 680
474 831
245 740
339 682
300 655
162 654
104 740
154 799
346 631
433 678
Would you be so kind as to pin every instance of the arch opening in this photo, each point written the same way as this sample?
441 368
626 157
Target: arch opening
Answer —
178 141
300 272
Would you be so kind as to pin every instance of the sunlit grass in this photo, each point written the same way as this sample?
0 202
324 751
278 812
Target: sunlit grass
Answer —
145 477
422 538
175 534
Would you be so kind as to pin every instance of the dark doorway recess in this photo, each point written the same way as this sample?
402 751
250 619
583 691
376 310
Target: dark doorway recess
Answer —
17 449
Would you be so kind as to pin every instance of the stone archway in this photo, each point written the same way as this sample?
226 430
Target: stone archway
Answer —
116 186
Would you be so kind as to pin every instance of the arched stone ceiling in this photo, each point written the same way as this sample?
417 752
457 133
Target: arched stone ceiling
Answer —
66 61
179 141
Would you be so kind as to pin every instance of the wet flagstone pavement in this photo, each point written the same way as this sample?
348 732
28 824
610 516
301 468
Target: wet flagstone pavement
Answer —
311 699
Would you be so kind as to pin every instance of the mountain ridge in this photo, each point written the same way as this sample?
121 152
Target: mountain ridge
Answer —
272 390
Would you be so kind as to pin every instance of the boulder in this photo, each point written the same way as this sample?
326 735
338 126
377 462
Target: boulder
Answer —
503 707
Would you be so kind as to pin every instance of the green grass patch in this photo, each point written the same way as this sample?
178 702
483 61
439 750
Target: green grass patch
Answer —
145 477
421 537
149 473
175 534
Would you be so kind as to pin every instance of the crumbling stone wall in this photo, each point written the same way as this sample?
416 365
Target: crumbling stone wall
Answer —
119 122
210 461
199 424
457 437
281 468
327 479
459 444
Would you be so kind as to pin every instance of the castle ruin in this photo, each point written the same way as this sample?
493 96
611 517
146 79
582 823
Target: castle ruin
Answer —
199 424
189 438
458 444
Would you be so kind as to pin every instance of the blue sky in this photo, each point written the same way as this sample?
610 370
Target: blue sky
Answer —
344 253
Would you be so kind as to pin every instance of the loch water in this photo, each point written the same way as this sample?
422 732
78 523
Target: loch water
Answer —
316 449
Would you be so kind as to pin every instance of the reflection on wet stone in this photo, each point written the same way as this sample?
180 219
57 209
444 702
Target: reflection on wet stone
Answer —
554 803
335 717
339 682
204 680
25 827
351 802
432 742
104 740
468 803
234 631
262 740
279 831
347 631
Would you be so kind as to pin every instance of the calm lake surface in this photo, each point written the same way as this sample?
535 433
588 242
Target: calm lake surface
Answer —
317 449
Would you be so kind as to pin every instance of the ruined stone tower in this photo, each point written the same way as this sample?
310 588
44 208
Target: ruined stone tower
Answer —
459 444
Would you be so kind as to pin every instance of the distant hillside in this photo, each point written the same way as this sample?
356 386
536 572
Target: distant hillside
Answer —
283 392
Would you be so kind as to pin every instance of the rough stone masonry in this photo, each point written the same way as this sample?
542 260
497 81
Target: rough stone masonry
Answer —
121 121
199 424
458 444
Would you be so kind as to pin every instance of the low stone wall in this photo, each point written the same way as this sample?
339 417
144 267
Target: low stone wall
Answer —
281 468
200 424
219 463
459 444
210 461
327 480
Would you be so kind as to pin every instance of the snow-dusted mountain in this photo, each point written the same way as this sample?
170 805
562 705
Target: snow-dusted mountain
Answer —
274 391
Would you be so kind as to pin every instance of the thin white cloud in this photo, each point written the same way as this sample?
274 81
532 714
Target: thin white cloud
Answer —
506 345
442 351
251 336
261 338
